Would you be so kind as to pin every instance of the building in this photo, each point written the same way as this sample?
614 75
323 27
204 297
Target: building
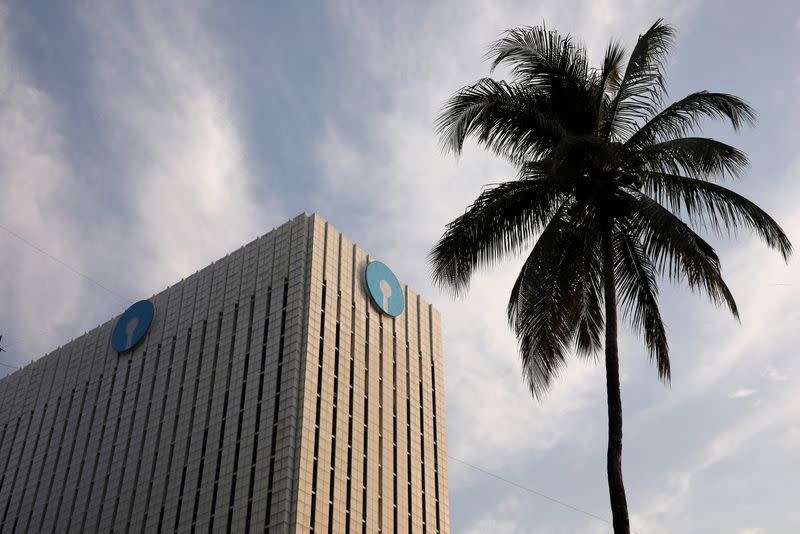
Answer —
279 389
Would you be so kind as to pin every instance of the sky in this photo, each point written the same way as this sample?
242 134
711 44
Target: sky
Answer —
141 141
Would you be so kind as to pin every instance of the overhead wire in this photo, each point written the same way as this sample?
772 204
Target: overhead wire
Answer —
533 491
64 264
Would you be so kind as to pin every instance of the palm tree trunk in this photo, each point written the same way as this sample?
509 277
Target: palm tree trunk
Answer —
616 488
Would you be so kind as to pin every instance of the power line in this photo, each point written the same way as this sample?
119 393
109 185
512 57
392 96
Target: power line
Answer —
4 364
6 369
533 491
4 350
63 263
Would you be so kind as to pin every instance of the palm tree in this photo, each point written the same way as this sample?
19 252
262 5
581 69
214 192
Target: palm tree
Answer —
611 188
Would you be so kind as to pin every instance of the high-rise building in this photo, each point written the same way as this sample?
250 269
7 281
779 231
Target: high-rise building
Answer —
292 386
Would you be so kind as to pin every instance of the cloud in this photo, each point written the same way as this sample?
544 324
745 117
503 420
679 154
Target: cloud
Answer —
741 393
497 521
156 188
666 510
34 171
498 526
775 375
164 87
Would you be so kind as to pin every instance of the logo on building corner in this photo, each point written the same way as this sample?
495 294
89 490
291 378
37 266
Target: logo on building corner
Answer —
132 326
385 290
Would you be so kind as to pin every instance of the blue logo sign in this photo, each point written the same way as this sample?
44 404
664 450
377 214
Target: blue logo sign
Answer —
384 289
132 326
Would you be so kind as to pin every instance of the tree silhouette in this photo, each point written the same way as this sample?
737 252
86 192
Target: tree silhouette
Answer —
611 188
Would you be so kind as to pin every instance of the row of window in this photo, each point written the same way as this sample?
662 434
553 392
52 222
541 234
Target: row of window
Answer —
348 479
98 485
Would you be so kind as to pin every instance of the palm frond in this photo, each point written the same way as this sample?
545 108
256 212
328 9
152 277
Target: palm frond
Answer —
502 219
609 79
551 305
554 65
611 74
710 204
676 250
538 56
638 292
510 120
552 232
696 157
589 333
683 117
642 87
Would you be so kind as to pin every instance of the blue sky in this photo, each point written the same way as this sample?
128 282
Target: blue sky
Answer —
140 143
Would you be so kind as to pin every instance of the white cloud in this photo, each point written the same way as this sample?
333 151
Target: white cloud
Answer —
667 509
497 520
172 194
497 526
34 172
741 393
791 438
775 375
162 82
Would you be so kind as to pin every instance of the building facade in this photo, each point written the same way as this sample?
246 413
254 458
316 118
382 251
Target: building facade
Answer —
272 392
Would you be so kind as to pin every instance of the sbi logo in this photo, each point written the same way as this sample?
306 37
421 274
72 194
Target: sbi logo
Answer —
132 326
384 289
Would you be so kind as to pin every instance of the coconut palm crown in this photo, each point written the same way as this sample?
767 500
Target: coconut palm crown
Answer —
611 189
